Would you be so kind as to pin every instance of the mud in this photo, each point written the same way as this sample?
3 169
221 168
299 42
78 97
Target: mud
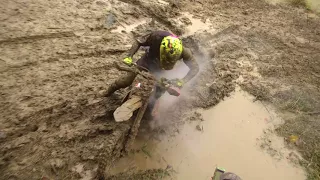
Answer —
216 137
55 123
309 4
56 61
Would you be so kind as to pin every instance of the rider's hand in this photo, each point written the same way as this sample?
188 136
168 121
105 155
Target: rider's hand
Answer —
128 61
177 82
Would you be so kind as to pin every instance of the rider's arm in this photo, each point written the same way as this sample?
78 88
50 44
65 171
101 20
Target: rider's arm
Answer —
142 41
134 48
191 62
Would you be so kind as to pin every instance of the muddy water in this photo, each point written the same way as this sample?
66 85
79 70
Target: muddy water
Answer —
227 137
197 24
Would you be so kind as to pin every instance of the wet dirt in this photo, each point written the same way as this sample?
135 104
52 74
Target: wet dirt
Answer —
56 61
129 28
311 4
221 138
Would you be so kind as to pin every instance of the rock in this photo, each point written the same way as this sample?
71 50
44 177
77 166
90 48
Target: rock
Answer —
198 128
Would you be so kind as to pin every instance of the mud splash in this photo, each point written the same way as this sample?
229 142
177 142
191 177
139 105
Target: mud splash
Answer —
227 137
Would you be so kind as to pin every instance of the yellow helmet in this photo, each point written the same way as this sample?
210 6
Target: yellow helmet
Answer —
170 52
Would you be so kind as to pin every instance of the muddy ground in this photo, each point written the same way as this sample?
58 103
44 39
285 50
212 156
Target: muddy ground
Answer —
56 61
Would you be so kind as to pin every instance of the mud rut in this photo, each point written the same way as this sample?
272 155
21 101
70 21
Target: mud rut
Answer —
57 58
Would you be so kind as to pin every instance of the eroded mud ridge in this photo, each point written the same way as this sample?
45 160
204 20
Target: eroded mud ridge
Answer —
57 59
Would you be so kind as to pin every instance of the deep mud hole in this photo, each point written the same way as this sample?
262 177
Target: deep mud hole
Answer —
56 62
212 137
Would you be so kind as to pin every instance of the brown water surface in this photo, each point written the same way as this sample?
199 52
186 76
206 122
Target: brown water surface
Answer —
229 139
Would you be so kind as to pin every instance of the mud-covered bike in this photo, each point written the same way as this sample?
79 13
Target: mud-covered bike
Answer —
136 100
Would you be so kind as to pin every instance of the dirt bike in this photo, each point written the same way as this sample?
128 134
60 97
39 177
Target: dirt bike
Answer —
135 102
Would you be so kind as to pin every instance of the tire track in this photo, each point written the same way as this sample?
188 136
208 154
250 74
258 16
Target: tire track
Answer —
28 39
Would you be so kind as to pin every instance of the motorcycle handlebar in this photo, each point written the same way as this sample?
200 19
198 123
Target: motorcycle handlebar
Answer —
163 82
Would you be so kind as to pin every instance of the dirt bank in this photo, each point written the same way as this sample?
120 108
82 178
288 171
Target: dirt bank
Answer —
56 62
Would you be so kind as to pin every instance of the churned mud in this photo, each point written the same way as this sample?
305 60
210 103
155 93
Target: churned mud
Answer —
57 60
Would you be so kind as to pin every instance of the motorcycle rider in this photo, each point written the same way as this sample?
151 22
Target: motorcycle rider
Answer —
165 49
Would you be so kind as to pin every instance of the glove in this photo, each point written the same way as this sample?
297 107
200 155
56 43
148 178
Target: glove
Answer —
177 82
128 61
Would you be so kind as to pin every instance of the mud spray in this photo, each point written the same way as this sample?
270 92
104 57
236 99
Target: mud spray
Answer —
167 101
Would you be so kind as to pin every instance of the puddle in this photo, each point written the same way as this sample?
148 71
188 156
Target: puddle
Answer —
196 25
229 139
